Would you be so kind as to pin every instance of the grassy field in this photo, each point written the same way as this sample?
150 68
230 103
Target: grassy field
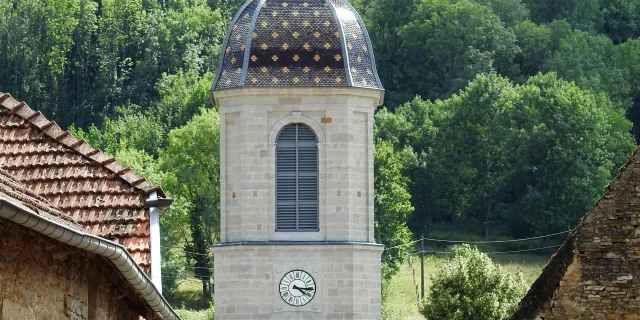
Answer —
404 287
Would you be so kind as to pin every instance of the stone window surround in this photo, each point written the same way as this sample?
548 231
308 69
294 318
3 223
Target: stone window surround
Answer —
296 117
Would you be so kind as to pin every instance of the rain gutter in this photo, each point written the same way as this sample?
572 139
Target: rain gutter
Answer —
116 253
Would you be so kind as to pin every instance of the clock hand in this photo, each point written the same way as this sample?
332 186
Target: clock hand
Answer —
300 289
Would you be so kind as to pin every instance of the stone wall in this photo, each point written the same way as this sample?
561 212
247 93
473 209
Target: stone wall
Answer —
250 120
44 279
347 279
596 274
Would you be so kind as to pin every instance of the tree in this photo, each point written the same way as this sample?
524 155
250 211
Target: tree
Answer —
392 205
621 19
191 162
588 60
511 12
561 145
538 44
384 19
448 42
470 286
585 15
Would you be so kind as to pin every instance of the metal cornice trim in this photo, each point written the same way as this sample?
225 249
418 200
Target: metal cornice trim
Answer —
100 247
366 37
225 42
343 43
247 52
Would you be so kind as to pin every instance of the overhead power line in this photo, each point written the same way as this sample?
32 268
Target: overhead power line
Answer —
479 242
494 252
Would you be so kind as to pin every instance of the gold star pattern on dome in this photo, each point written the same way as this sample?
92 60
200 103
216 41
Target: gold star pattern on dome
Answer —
228 49
233 60
308 52
254 35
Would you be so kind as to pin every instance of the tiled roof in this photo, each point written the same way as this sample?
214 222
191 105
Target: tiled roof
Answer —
297 43
96 192
11 189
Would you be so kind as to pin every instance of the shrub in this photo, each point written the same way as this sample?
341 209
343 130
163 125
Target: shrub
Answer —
470 286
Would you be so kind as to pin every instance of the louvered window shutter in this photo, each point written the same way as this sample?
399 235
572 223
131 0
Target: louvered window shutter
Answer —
296 179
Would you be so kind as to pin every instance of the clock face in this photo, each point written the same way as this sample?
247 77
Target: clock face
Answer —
297 288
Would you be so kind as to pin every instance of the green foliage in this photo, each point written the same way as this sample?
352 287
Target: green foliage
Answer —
511 12
584 15
589 61
448 42
182 95
185 314
191 162
470 286
530 158
392 206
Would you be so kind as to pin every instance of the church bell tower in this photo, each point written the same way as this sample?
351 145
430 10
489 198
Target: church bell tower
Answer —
297 88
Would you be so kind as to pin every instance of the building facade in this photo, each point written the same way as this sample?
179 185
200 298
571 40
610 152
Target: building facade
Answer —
297 89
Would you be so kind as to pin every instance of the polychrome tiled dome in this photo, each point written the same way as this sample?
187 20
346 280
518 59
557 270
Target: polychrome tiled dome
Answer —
297 43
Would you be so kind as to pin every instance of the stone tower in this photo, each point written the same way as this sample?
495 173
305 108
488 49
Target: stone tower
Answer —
297 87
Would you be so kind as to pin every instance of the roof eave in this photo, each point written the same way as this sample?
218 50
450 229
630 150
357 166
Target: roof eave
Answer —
117 254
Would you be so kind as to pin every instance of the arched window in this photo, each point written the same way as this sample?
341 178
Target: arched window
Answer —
296 179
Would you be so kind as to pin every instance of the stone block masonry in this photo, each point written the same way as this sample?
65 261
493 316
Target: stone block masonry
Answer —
43 279
596 273
347 278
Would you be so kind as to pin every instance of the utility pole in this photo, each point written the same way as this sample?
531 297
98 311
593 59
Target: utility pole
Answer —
422 267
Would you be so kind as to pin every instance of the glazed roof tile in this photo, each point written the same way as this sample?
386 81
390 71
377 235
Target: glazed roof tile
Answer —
92 190
297 43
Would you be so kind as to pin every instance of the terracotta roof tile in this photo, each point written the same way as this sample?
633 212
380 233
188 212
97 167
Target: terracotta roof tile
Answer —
92 189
